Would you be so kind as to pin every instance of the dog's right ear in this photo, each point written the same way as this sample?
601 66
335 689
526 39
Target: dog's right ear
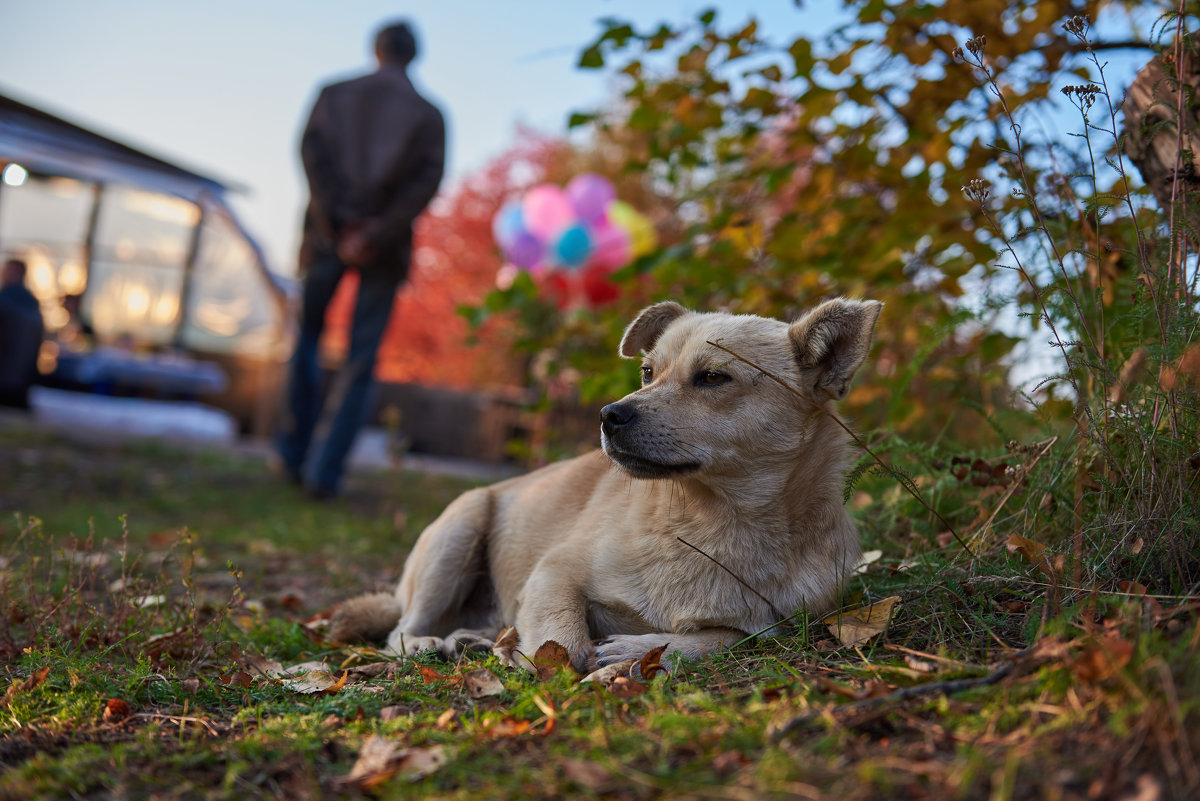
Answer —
648 326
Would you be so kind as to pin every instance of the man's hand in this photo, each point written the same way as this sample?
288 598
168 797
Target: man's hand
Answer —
352 246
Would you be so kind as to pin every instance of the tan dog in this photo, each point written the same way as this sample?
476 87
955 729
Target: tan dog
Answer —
714 512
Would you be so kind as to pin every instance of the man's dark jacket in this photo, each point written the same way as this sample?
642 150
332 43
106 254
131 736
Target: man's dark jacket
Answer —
374 152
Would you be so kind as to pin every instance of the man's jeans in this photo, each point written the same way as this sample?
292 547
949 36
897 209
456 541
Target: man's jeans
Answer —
329 431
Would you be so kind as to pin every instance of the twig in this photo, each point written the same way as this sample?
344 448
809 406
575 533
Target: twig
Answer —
896 474
948 687
778 615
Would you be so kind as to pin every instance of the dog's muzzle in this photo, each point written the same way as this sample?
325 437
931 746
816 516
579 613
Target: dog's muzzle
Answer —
627 446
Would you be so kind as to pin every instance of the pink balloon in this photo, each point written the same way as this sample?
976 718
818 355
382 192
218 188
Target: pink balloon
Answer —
590 195
610 246
547 211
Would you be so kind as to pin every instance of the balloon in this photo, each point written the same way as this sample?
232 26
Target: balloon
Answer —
573 246
507 224
642 236
547 211
589 195
610 246
597 287
526 250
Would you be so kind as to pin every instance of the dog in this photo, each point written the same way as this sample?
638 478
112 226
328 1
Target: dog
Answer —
713 512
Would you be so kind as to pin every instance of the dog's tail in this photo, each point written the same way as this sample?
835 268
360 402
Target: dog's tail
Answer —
367 618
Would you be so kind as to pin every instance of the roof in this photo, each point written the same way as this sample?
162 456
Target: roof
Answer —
42 142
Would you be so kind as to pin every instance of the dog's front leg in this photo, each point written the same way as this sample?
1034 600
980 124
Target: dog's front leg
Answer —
689 645
554 608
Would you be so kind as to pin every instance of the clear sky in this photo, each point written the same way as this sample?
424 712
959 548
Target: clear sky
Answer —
224 86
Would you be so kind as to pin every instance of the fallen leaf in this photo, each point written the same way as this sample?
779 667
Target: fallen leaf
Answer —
858 626
306 667
919 665
240 679
866 560
482 683
115 711
605 675
391 713
381 759
550 658
507 727
448 719
1102 658
626 688
316 682
1041 557
587 774
1132 588
191 685
431 676
650 665
257 665
506 644
32 683
1136 546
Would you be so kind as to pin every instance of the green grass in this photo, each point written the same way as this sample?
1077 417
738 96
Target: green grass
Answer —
1101 699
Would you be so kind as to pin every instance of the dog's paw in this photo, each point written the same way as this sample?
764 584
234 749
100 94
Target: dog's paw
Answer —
409 645
463 640
620 647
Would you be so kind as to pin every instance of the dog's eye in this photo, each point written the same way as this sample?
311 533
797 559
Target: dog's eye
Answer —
647 374
711 378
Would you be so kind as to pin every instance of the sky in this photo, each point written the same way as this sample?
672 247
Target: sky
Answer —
224 87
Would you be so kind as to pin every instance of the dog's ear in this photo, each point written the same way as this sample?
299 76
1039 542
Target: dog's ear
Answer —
648 326
831 342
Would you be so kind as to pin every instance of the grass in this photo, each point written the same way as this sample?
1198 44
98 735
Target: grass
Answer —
155 576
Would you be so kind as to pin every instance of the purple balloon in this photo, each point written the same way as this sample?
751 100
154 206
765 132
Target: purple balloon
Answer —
526 250
590 195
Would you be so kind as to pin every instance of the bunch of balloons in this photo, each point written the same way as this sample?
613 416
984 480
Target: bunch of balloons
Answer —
579 235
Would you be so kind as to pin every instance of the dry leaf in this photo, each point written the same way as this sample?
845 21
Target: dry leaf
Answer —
115 711
507 727
316 681
626 688
381 759
550 659
1101 659
506 644
1132 588
482 683
257 665
868 558
240 679
32 683
605 675
650 664
431 676
857 626
1041 557
306 667
587 774
391 713
448 719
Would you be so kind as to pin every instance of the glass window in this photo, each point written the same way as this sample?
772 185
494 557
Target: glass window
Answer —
232 308
142 241
44 221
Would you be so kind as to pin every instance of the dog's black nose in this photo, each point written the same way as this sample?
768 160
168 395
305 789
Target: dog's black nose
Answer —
617 415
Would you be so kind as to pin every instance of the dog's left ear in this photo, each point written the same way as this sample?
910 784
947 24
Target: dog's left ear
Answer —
831 342
648 326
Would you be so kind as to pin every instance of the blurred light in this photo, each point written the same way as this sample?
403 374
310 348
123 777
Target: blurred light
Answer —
72 278
40 276
137 301
47 357
165 309
56 317
14 175
163 208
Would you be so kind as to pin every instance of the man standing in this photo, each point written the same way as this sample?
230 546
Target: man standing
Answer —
21 330
373 151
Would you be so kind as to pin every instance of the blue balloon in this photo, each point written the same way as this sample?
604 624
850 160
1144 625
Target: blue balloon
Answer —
573 247
508 224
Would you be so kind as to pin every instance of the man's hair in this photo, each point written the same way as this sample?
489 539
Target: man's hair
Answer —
14 271
396 44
